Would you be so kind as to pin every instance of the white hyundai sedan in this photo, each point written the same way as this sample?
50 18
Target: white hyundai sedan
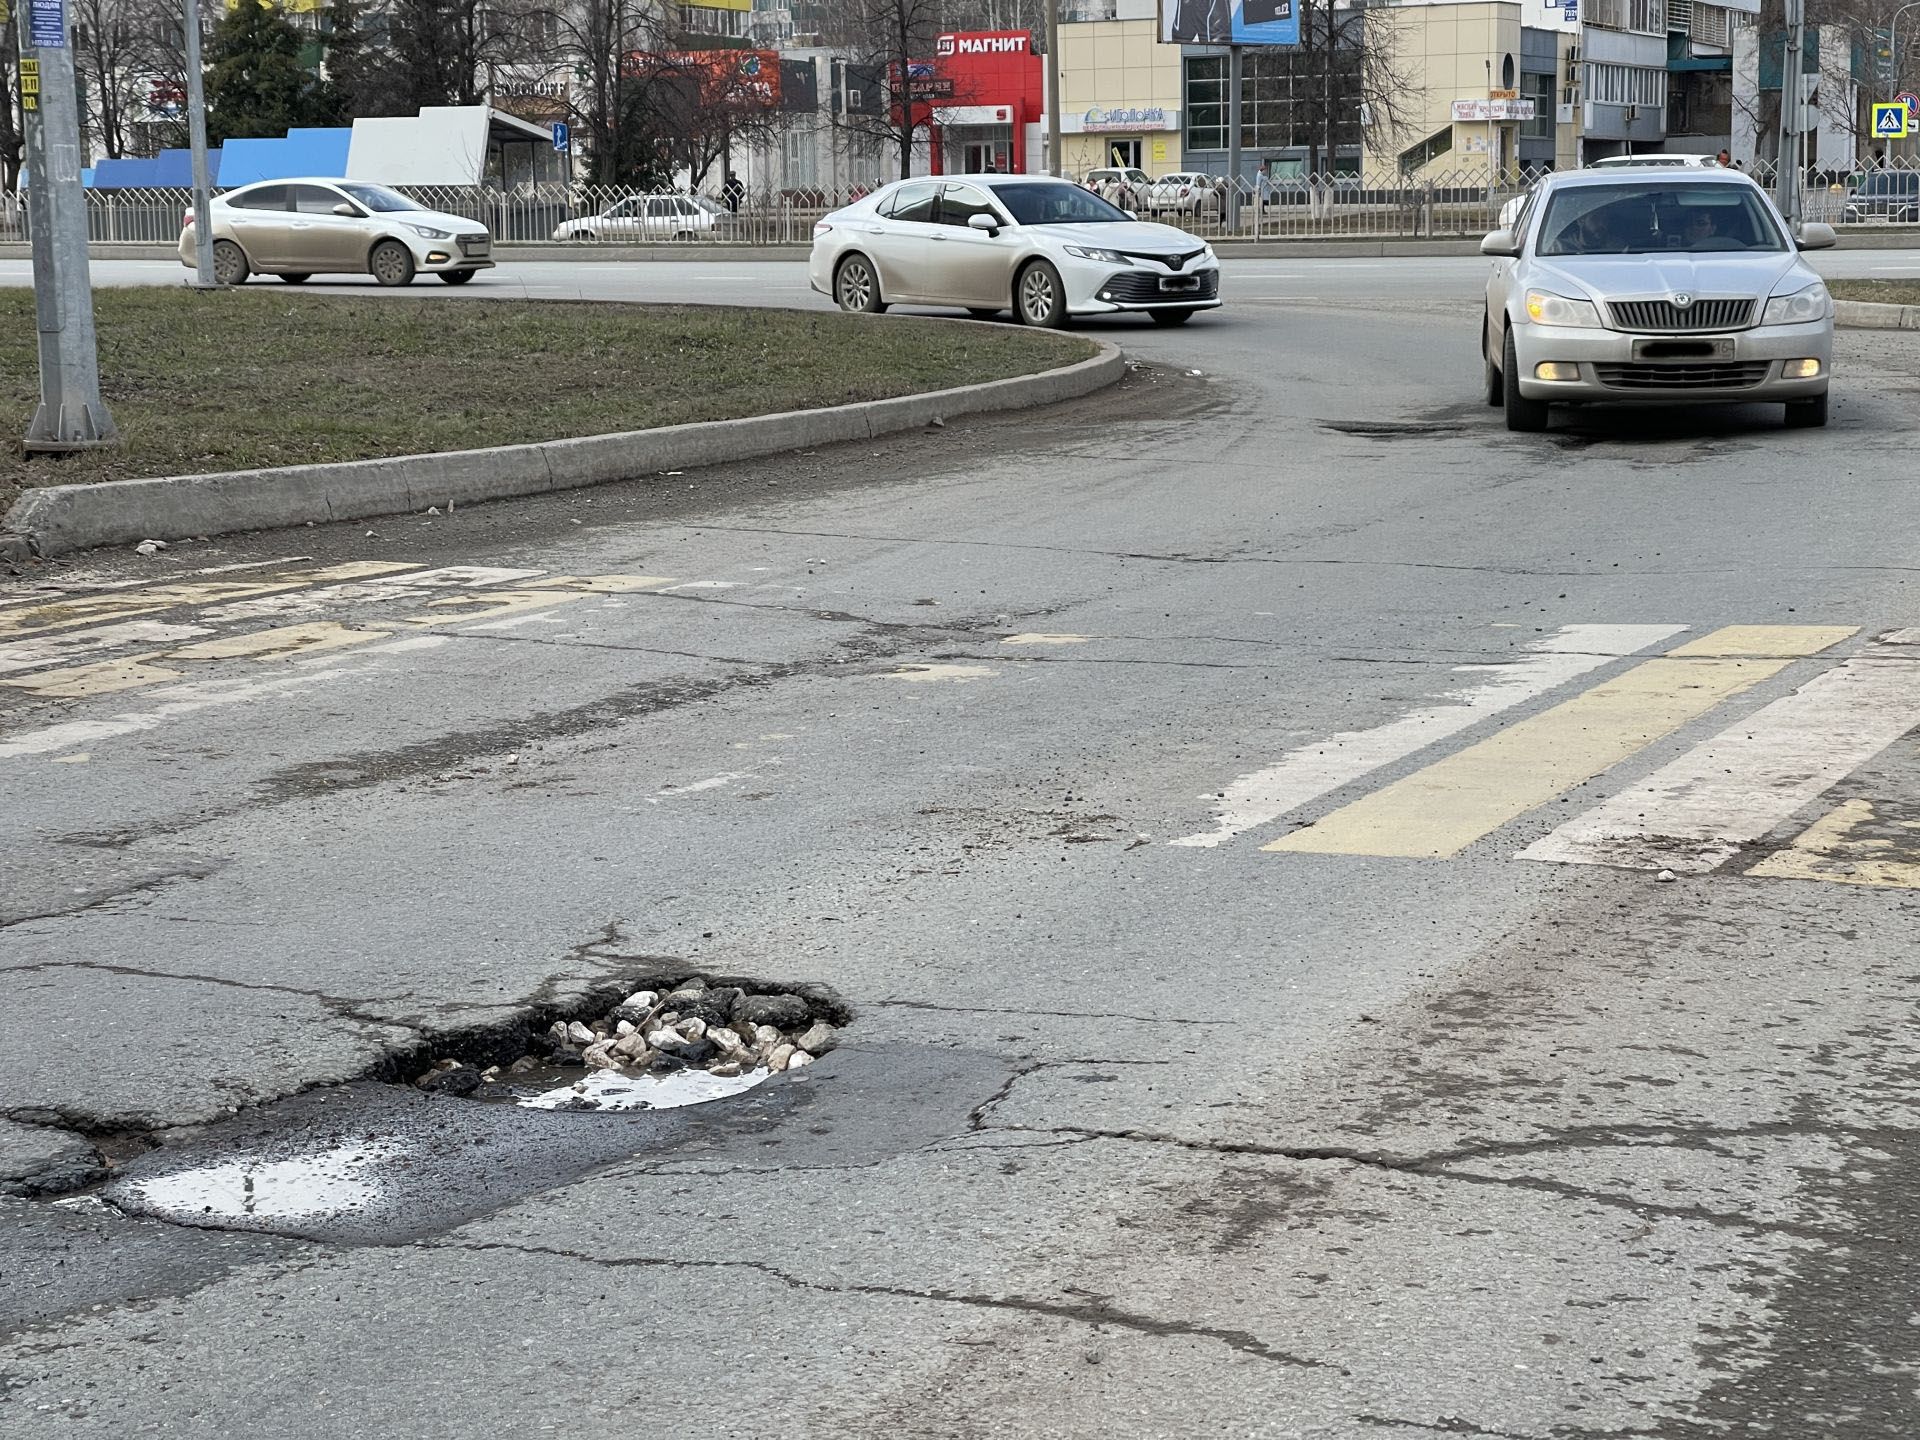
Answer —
1045 248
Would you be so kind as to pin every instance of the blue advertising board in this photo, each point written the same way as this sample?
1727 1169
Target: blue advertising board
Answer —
47 24
1266 22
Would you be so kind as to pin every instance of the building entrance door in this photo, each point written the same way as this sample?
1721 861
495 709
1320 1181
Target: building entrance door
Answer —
986 157
1123 154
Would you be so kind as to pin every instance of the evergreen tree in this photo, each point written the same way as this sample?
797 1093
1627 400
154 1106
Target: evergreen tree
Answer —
347 63
255 83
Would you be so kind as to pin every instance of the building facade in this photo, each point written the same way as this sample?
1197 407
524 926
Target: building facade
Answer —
1120 92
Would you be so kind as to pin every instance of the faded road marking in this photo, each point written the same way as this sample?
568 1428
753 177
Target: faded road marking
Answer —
940 674
1305 774
78 682
59 649
1736 641
1854 844
1039 638
280 644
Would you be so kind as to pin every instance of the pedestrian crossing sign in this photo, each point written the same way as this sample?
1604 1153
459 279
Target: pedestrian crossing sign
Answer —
1890 122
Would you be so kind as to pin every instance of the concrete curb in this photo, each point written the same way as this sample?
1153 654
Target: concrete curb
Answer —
56 519
1866 315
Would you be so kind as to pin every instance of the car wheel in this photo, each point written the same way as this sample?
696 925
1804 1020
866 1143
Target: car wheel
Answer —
978 314
229 264
1807 414
1495 386
458 277
1039 298
856 287
1522 413
585 235
1171 317
296 277
391 263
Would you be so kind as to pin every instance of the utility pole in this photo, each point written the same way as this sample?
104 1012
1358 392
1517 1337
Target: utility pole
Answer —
1234 89
197 133
71 415
1792 127
1053 89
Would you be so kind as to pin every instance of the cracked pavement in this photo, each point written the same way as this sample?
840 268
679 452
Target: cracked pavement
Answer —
1126 1139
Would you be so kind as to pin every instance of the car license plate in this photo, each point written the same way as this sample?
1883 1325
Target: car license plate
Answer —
1715 349
473 244
1179 282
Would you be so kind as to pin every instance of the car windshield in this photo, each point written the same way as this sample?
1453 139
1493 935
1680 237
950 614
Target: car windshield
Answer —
1056 203
1648 217
378 198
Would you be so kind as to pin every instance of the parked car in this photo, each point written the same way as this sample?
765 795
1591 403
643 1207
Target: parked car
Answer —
1045 248
646 217
297 229
1682 286
1886 197
1656 161
1186 192
1126 188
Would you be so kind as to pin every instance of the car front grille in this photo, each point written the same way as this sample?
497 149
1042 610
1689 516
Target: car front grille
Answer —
1731 375
1669 318
1172 262
1137 287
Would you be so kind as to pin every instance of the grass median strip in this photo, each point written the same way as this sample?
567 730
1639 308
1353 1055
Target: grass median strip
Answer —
1878 292
264 377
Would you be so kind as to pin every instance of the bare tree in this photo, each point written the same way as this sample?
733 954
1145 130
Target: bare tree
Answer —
116 51
12 141
891 48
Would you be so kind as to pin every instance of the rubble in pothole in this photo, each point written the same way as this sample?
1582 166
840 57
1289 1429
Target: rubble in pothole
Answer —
653 1050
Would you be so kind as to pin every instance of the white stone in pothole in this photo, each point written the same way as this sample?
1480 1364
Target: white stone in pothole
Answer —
615 1091
323 1183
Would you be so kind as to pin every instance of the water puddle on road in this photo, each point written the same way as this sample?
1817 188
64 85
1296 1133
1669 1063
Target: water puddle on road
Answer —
327 1182
612 1090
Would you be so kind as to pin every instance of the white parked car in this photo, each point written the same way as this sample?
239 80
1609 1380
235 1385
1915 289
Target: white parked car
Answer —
1187 192
1657 161
1048 249
644 217
297 229
1655 286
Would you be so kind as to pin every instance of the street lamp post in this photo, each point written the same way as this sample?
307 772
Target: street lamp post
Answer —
197 138
1053 88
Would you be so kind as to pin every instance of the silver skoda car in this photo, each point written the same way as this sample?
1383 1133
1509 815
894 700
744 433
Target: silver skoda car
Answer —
1645 287
1044 248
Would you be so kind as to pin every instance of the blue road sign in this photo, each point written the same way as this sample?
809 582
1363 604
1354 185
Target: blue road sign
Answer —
562 136
1890 122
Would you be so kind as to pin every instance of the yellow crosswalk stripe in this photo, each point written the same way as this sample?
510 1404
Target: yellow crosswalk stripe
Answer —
282 643
70 611
1854 844
1466 796
78 682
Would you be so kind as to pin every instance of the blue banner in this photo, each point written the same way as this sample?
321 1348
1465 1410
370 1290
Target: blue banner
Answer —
1266 22
47 24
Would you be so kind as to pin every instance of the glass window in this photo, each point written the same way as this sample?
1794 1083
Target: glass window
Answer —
261 197
960 203
912 202
1539 89
379 198
1056 203
315 200
1645 218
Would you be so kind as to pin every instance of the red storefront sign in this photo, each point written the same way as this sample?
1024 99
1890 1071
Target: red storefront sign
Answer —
979 77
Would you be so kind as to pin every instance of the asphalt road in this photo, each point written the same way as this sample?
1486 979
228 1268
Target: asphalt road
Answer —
1358 924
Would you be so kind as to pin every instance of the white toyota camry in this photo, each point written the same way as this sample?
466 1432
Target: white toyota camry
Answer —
1044 248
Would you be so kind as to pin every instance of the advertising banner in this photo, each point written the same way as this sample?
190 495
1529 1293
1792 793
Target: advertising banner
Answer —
1229 22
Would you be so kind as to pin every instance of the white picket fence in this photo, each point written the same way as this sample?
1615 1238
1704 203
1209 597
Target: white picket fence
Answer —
1460 204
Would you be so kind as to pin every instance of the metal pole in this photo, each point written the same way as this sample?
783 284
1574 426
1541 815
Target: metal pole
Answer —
1233 139
1893 48
71 415
197 137
1053 89
1787 182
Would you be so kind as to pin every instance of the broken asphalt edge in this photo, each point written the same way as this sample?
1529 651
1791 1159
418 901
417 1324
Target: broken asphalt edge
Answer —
58 519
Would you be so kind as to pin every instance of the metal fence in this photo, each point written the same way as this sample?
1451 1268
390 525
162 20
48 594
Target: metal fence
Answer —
1456 205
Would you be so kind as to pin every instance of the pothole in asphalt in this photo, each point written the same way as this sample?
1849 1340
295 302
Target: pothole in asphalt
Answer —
656 1050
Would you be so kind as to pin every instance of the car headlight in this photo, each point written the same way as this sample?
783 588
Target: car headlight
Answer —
1206 253
1800 307
427 232
1546 308
1090 252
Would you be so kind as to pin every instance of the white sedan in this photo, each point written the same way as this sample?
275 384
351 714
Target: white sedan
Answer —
642 217
1044 248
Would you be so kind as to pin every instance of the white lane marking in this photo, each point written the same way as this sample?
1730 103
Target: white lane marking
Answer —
58 649
380 591
178 700
1306 774
940 674
701 585
1694 814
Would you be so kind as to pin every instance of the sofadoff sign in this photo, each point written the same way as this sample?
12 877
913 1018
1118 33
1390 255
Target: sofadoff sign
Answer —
1230 22
1098 121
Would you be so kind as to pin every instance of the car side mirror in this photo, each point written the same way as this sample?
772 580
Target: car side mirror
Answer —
1501 242
346 211
983 222
1815 236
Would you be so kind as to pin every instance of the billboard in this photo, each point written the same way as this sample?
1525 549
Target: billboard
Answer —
741 5
1230 22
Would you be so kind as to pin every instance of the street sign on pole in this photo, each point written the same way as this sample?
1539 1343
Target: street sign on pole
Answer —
71 415
562 137
1890 122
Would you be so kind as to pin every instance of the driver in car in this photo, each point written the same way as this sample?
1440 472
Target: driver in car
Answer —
1700 228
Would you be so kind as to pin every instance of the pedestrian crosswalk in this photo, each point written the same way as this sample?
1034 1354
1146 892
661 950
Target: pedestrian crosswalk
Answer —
1701 812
